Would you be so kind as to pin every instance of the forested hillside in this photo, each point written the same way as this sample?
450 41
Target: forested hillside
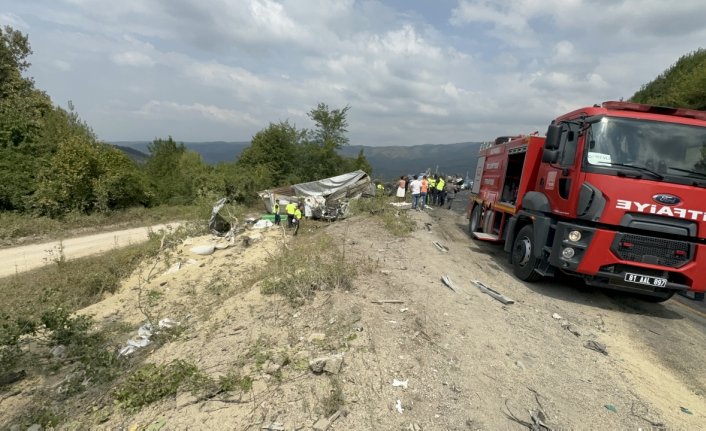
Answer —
52 164
682 85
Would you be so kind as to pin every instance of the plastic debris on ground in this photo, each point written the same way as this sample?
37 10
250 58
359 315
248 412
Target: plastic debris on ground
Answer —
611 407
399 383
263 224
398 406
144 333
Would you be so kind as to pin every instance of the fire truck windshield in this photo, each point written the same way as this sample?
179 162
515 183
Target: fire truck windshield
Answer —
669 149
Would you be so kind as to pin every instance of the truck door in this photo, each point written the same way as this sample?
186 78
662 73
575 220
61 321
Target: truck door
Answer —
558 181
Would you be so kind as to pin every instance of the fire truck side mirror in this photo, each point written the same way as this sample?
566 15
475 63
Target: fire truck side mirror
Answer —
553 137
550 156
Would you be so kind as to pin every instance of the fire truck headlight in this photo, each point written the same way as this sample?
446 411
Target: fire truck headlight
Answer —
568 253
574 236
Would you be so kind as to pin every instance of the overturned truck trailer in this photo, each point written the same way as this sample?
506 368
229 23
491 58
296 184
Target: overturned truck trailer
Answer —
328 198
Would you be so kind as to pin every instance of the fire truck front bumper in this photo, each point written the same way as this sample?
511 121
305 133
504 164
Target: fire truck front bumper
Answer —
627 261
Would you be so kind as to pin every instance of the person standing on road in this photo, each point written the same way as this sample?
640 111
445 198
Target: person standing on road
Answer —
415 187
423 192
401 189
450 190
440 183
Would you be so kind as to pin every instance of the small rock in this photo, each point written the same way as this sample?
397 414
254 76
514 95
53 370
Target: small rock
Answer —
385 271
321 425
357 326
556 316
15 427
333 364
317 365
271 368
414 427
520 365
35 427
59 352
162 283
317 336
403 268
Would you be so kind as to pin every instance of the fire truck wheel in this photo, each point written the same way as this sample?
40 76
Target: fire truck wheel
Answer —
474 221
523 260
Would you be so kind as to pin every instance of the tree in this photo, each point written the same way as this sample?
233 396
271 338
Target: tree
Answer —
162 168
274 149
330 126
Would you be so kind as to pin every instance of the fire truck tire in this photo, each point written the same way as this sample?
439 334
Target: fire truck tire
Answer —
474 221
524 261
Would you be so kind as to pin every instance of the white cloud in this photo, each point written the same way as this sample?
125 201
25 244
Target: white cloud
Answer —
132 58
13 20
166 109
62 65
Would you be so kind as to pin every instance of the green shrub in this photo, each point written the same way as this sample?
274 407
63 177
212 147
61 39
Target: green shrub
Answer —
153 382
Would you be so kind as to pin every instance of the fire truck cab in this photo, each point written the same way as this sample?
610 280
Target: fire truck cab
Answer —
615 193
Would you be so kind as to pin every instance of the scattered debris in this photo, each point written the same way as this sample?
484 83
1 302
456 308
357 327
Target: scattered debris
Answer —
495 294
323 423
685 410
556 316
538 416
263 224
569 327
611 407
58 352
399 383
441 247
144 333
403 310
595 345
428 226
357 326
398 406
388 301
274 426
447 281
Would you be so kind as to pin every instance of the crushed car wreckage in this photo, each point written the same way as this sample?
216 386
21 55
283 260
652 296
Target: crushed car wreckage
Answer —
328 198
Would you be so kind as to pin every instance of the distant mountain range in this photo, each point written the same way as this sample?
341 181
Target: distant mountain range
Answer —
387 162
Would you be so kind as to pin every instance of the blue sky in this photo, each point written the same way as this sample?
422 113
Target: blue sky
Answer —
412 71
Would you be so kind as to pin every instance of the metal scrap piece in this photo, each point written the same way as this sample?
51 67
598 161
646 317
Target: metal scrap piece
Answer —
441 247
495 294
450 284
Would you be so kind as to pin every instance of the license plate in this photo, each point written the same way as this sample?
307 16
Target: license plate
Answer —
646 279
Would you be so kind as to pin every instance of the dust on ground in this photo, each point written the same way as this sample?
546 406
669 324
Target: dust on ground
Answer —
462 360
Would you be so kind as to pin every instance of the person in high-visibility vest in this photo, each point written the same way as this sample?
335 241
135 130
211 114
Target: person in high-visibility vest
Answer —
297 218
380 189
290 208
440 183
275 210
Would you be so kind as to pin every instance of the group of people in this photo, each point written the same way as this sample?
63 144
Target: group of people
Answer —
294 215
428 190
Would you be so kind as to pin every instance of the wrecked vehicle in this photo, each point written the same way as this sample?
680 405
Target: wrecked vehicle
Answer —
328 198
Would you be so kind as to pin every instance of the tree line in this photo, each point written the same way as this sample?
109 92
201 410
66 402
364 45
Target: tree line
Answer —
52 163
682 85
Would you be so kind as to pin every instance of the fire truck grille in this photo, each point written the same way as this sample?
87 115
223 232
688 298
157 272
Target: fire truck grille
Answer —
656 251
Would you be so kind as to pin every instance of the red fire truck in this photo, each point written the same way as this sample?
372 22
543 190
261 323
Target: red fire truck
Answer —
615 194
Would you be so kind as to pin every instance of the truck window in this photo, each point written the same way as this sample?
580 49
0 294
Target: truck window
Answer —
568 144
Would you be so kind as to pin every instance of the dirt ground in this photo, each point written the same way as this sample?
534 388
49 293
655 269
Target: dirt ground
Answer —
469 362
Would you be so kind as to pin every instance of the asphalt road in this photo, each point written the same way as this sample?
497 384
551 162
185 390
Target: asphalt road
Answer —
20 259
